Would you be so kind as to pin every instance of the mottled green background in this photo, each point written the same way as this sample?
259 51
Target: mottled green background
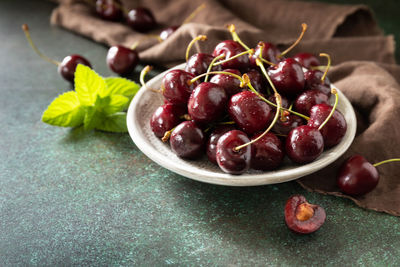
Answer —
69 198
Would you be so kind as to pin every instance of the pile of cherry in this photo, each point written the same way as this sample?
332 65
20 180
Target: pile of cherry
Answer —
247 114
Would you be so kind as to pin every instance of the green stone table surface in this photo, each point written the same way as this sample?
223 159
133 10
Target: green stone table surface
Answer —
69 198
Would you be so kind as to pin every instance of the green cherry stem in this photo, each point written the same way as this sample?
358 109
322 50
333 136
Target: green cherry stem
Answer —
386 161
167 134
194 13
195 39
264 71
333 91
214 72
25 28
304 28
212 65
328 65
235 36
143 73
250 51
262 45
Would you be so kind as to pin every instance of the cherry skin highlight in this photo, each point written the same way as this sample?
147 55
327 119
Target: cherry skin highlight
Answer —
176 87
199 62
267 153
313 82
307 60
213 140
357 176
165 118
141 19
231 48
229 83
122 60
230 160
187 140
306 100
67 67
167 32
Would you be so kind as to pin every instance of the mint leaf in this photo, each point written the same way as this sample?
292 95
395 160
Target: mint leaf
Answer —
117 103
87 84
120 86
114 123
64 111
93 117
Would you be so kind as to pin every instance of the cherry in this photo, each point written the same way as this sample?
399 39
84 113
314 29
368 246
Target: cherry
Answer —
285 102
199 62
231 48
168 31
165 118
207 103
334 129
187 140
313 82
303 217
228 158
288 77
213 140
122 60
177 86
228 82
67 67
269 52
304 144
249 112
141 19
307 60
284 125
109 9
258 82
306 100
267 152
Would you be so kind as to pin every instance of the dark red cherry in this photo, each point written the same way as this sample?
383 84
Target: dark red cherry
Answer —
122 60
199 62
313 82
67 67
334 129
187 140
267 153
288 123
167 32
213 140
357 176
249 112
303 217
307 60
284 101
304 144
288 77
230 160
258 82
207 103
229 83
231 48
269 52
109 9
176 86
165 118
141 19
306 100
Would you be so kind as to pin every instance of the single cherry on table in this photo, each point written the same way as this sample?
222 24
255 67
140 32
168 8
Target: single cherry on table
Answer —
141 19
122 60
109 9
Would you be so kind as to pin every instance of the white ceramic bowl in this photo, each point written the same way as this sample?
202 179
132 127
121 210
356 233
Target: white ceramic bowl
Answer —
145 103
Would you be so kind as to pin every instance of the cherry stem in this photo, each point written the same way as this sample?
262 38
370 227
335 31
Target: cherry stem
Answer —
25 28
304 28
215 72
328 65
212 64
194 13
167 134
226 123
195 39
333 91
135 44
250 51
279 106
264 71
143 73
262 46
386 161
235 36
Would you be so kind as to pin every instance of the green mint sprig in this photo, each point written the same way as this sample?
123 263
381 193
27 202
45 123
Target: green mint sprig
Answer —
97 103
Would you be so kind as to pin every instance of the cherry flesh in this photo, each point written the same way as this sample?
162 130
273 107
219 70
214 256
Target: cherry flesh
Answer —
313 82
288 77
213 140
187 140
267 153
269 52
304 144
67 67
288 123
231 48
207 103
165 118
199 62
303 217
167 32
357 176
122 60
306 100
109 9
307 60
230 160
141 19
228 82
334 129
249 112
176 86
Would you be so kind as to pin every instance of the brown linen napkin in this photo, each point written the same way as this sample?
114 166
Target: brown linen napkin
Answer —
345 32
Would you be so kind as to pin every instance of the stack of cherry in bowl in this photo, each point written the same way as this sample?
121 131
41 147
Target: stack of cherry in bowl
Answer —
248 108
